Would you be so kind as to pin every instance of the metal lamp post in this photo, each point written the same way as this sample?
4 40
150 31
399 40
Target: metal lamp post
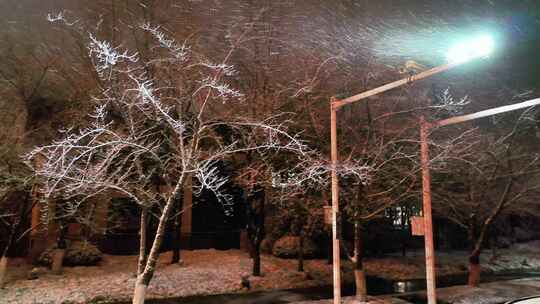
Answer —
425 127
456 56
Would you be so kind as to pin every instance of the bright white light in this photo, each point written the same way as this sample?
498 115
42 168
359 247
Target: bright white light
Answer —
479 47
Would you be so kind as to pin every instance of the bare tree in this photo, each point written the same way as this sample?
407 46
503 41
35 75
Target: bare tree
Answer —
24 71
147 135
255 225
15 203
392 181
255 177
494 173
304 215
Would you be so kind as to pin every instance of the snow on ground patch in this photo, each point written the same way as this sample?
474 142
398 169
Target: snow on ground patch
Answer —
490 293
217 272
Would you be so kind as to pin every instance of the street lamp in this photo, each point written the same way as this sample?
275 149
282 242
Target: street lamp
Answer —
482 46
478 47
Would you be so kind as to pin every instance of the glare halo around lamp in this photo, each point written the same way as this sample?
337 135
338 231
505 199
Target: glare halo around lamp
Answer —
479 47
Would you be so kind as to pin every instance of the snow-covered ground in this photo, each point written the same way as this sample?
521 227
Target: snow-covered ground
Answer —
215 272
521 257
524 256
203 272
491 293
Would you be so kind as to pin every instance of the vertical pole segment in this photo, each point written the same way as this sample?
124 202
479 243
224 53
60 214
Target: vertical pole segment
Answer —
335 204
428 222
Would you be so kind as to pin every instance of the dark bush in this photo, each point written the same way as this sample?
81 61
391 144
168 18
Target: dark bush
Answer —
287 247
78 253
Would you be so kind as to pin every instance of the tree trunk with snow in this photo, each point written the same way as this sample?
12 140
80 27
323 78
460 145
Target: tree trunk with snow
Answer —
3 270
176 242
256 255
256 231
301 252
145 275
140 292
478 233
176 258
474 270
359 274
476 237
142 240
13 233
4 258
58 257
60 252
256 262
140 288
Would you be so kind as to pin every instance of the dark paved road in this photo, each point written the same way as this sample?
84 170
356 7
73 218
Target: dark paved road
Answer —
490 293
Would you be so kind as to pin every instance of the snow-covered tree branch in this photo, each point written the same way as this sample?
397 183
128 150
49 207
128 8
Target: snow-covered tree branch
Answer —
150 132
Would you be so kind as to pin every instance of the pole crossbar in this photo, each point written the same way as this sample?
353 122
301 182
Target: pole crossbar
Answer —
340 103
486 113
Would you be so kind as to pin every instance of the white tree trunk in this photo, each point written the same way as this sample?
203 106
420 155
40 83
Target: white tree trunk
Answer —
58 257
3 270
360 281
474 274
142 241
145 274
140 292
359 273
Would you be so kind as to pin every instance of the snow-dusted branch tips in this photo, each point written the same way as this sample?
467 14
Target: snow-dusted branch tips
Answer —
154 127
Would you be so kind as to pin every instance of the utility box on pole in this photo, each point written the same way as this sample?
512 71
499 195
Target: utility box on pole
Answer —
417 225
328 215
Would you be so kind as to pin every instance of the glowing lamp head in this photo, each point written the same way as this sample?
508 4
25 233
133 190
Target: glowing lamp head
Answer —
479 47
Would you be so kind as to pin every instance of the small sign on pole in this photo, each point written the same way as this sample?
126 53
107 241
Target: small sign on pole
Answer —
328 215
417 225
